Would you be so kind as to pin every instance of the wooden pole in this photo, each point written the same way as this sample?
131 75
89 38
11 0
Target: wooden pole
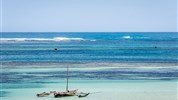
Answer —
67 78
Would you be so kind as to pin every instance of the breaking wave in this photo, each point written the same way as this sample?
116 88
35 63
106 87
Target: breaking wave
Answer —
136 37
55 39
127 37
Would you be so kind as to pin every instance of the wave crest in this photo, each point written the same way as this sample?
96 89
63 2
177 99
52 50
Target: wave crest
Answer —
127 37
55 39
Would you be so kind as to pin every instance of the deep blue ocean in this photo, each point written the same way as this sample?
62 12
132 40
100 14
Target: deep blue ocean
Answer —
29 60
89 47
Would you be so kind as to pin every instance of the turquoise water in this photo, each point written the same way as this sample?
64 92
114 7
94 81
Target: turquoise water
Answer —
26 50
99 89
89 47
29 60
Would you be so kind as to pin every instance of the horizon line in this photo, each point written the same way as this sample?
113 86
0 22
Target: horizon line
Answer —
86 32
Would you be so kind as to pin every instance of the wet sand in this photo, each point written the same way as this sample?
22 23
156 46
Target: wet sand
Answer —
103 90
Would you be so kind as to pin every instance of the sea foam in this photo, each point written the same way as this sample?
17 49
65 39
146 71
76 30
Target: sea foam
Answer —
127 37
57 39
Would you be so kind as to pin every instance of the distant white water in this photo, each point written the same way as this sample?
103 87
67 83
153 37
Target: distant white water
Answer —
127 37
42 39
136 37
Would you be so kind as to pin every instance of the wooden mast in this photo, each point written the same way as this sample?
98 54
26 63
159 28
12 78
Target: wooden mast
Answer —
67 78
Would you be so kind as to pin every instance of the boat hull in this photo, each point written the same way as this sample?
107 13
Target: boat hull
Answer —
65 94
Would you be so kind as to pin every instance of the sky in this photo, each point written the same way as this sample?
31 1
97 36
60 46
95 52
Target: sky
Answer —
88 15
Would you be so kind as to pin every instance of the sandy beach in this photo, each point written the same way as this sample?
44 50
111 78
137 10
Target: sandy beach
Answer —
103 90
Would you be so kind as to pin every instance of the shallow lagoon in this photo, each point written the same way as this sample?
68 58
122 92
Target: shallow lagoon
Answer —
123 83
102 90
